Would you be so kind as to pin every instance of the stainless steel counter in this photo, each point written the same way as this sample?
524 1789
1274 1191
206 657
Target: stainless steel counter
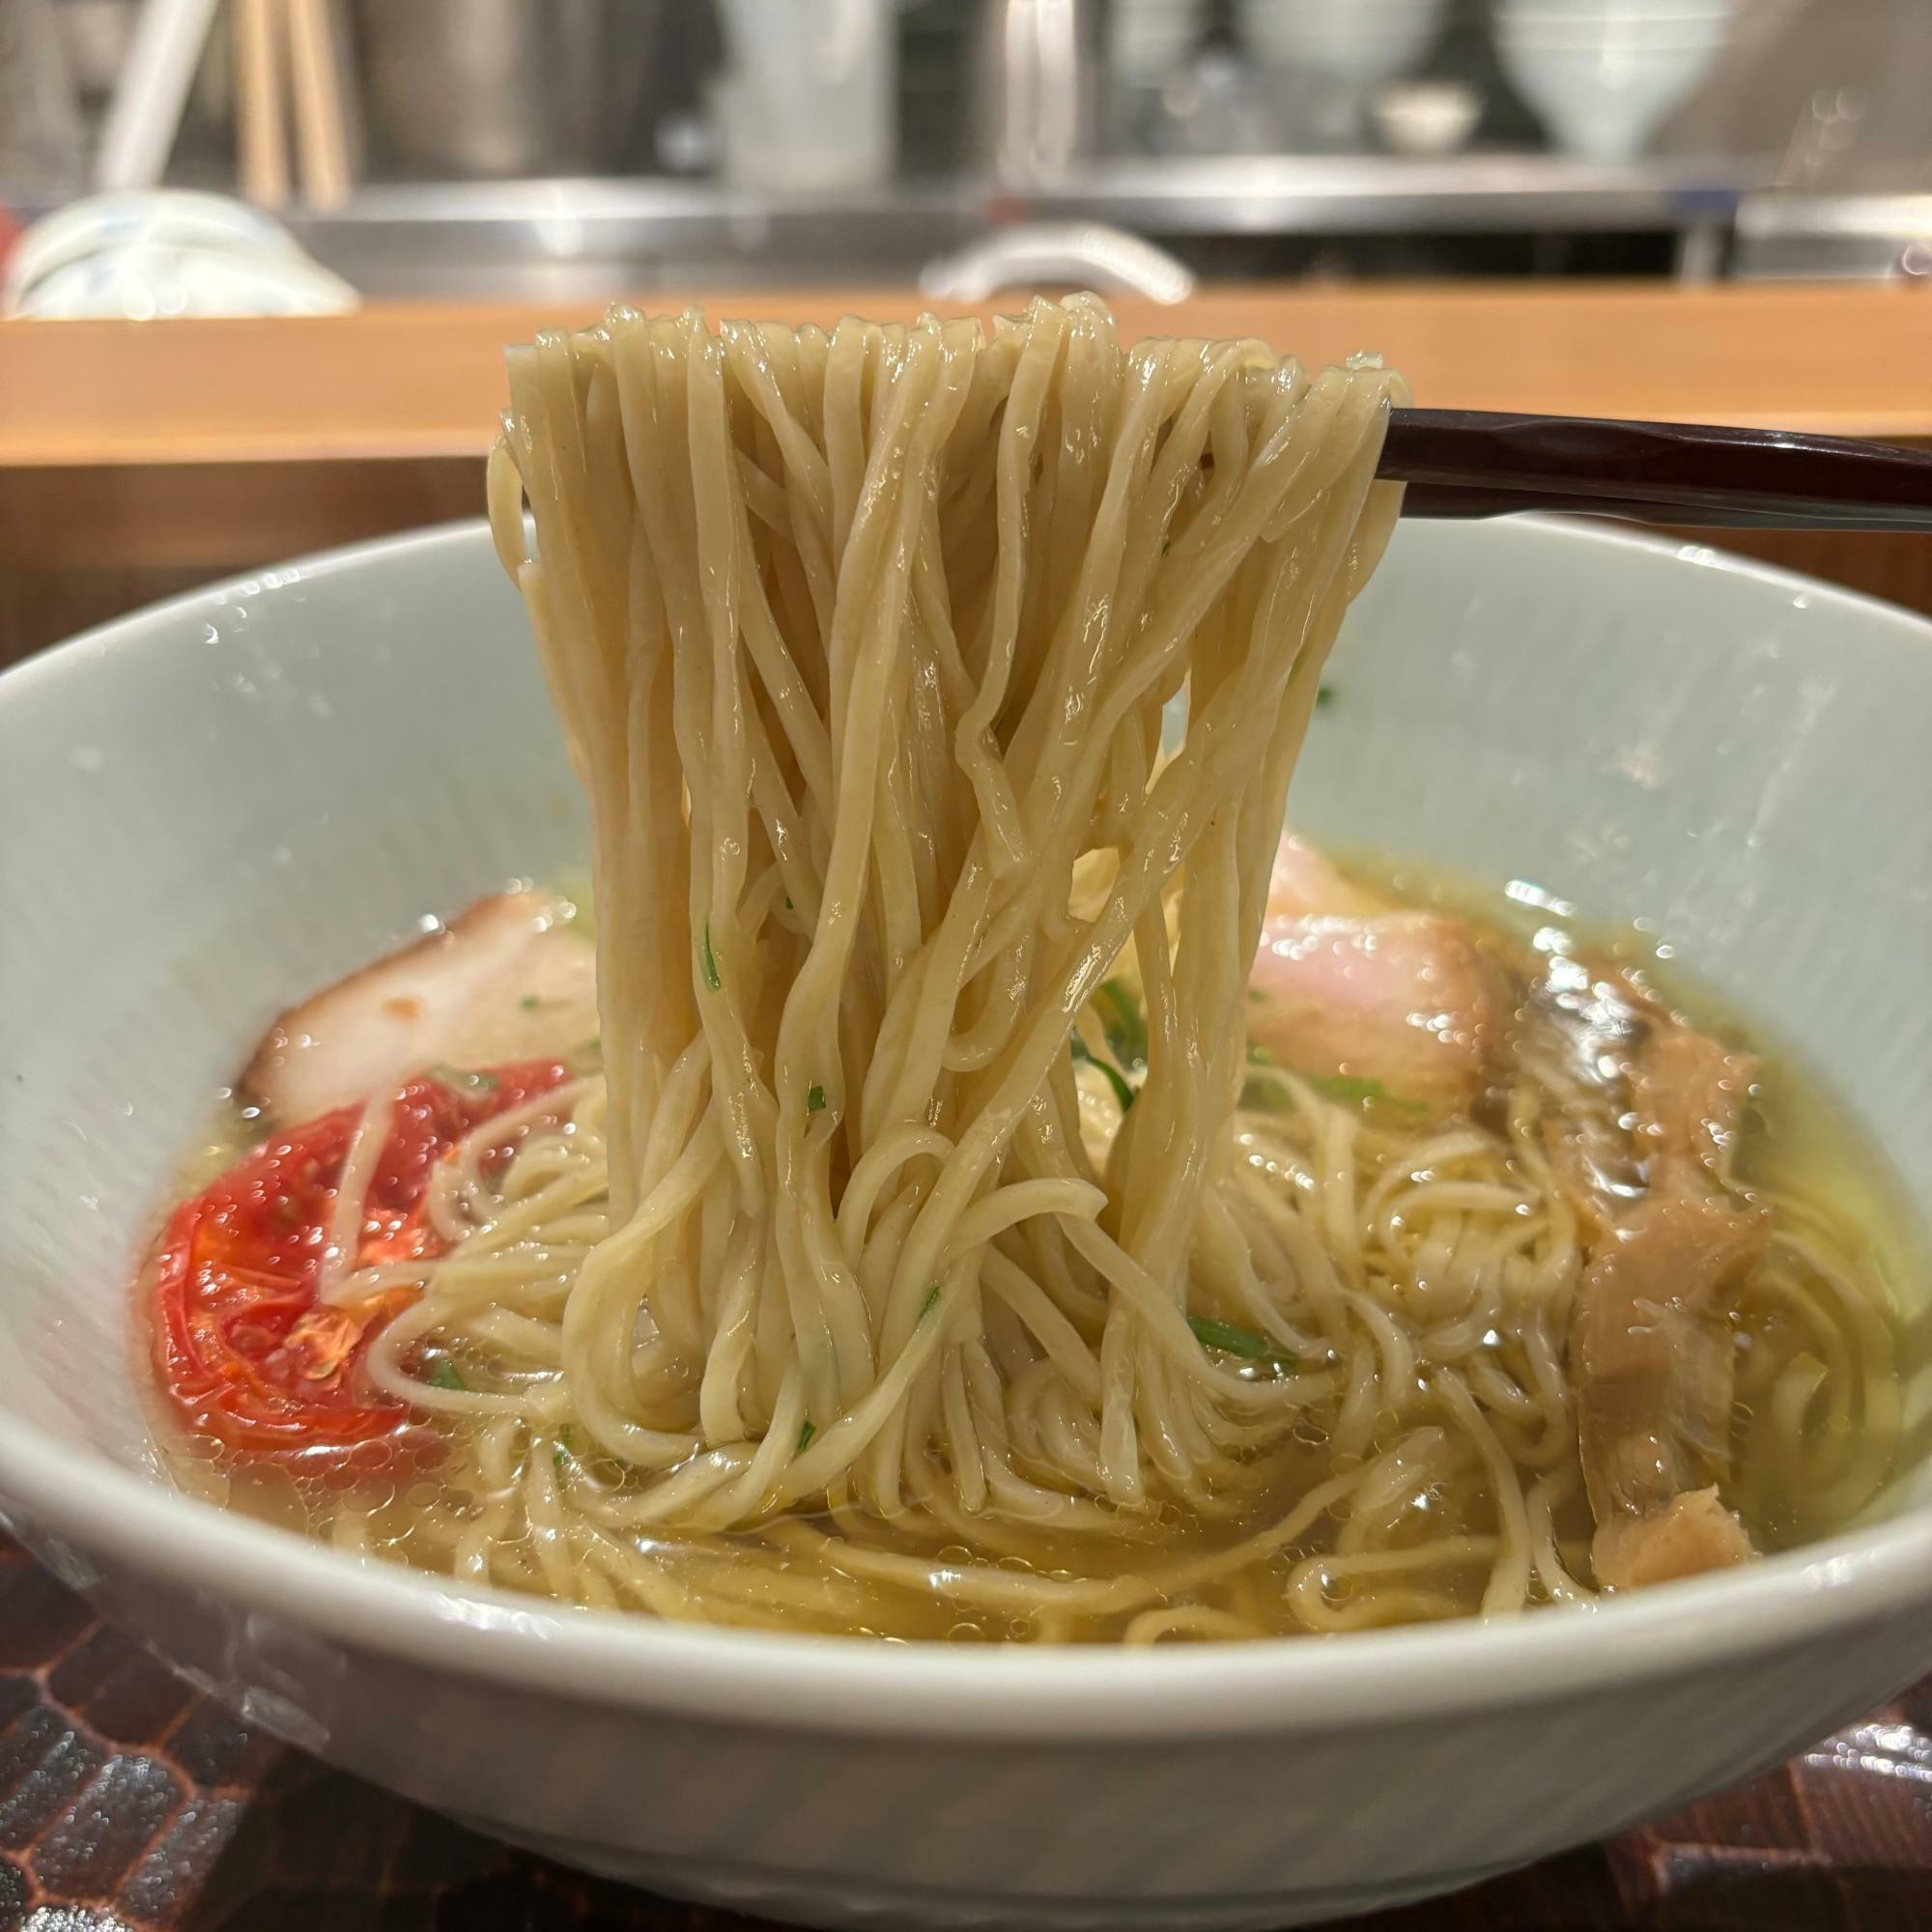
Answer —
1848 236
579 239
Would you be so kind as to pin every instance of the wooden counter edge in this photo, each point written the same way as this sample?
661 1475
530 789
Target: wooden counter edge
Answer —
425 383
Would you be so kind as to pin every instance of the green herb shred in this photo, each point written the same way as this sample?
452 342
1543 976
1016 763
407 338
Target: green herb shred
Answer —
1122 1093
814 1098
445 1376
1230 1340
1324 697
931 1301
1124 1020
805 1436
708 960
530 1003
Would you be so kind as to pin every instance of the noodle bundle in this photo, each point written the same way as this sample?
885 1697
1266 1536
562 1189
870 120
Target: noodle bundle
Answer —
848 1285
862 643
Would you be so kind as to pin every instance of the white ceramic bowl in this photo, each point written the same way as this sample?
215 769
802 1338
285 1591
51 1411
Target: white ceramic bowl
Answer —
1604 100
1426 117
1679 14
164 252
1612 13
217 803
1361 41
1619 40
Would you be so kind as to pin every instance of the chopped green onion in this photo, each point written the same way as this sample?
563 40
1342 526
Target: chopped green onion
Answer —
1124 1023
805 1436
708 960
930 1303
1345 1088
530 1003
445 1376
814 1098
1122 1093
1324 697
464 1080
1230 1340
565 1451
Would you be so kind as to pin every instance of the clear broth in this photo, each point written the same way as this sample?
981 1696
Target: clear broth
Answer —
1799 1140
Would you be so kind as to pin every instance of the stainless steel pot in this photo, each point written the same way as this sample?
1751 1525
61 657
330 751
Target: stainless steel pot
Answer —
496 88
1037 86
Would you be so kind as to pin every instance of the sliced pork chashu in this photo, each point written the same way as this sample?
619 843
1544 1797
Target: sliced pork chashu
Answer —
1670 1244
505 981
1348 983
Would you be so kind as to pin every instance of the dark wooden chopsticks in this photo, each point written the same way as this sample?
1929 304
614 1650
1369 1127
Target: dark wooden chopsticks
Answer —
1472 463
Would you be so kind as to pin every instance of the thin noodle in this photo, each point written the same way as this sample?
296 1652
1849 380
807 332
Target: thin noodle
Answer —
843 1296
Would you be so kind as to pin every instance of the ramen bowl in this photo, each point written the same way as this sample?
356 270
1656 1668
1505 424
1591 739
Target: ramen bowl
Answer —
217 804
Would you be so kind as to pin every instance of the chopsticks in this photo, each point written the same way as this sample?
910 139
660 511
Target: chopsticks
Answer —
281 48
1472 463
260 134
288 71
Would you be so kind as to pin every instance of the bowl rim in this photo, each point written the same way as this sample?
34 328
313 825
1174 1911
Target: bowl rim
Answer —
624 1662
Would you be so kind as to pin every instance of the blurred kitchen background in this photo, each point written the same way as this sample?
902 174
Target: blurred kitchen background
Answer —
568 149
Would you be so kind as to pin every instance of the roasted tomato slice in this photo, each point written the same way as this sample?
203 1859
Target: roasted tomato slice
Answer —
245 1351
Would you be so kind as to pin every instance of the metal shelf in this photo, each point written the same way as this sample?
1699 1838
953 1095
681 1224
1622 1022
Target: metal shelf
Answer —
562 236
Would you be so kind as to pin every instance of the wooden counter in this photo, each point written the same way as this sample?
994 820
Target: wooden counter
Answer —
159 451
427 382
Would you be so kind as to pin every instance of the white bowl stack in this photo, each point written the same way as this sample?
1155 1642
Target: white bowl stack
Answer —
1603 74
1360 41
1148 39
